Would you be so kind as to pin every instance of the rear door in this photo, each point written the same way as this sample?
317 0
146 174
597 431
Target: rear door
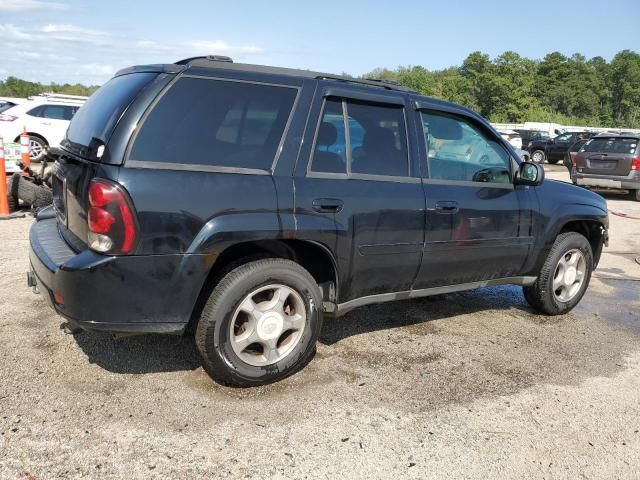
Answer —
560 145
359 193
608 156
478 222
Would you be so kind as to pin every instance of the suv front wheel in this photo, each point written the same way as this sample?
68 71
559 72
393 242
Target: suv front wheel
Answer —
537 156
260 323
564 277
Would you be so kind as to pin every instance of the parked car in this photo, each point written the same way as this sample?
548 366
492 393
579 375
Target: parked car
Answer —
569 158
233 200
45 117
554 149
8 102
609 161
529 136
512 137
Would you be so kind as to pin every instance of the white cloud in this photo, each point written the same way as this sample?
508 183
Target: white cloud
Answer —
72 53
23 5
97 70
221 47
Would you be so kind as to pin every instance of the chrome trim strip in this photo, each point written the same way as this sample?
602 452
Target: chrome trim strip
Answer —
342 308
194 167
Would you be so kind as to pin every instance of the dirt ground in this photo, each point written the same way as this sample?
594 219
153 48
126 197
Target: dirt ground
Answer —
468 385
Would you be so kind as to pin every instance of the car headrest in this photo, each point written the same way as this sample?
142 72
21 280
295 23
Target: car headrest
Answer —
327 134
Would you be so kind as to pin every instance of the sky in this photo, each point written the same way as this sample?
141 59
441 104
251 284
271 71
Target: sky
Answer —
72 41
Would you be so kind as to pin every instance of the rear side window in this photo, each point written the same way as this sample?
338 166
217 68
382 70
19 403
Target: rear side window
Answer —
611 145
377 140
216 123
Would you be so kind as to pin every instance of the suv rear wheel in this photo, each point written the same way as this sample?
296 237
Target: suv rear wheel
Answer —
635 195
260 323
564 277
37 148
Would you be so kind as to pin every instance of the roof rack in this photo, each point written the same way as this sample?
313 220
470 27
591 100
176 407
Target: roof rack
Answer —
372 82
211 58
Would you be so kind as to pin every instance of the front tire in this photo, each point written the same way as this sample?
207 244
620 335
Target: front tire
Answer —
260 324
564 277
537 156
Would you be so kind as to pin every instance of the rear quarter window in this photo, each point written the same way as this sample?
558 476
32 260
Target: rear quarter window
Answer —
217 123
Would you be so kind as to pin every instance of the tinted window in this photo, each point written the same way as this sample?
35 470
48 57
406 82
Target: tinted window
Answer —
37 111
565 138
214 122
378 139
99 114
611 145
6 106
330 154
460 151
56 112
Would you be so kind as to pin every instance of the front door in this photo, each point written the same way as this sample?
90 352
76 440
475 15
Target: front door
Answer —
360 194
477 221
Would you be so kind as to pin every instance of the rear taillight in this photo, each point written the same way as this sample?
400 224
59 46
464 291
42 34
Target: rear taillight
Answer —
573 159
111 218
635 163
7 118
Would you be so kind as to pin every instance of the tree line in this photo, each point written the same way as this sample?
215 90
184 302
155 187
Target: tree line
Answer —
506 89
513 89
15 87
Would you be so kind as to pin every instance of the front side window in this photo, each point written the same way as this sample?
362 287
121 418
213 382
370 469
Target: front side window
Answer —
460 151
377 140
217 123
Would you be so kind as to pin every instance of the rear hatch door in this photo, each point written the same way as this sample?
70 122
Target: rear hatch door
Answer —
86 153
608 156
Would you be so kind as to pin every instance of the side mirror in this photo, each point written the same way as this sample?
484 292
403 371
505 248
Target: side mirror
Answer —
529 174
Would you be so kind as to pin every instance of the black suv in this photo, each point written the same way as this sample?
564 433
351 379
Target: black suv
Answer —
553 150
245 203
529 136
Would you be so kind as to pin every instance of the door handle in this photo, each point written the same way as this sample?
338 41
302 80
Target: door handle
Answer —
447 207
327 205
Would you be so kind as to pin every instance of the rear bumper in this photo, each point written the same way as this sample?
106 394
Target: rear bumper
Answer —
123 294
628 182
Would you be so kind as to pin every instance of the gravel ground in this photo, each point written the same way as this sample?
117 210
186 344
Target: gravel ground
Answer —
464 385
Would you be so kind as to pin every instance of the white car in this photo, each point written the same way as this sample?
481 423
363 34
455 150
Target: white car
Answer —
45 118
512 137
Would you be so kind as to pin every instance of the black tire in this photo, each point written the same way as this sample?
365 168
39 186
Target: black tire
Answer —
538 156
35 195
552 162
14 205
213 330
540 295
634 195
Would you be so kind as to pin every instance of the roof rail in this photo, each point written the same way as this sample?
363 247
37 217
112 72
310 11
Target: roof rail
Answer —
211 58
372 82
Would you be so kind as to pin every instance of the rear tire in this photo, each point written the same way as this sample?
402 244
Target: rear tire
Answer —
542 295
634 195
273 349
37 148
552 162
537 156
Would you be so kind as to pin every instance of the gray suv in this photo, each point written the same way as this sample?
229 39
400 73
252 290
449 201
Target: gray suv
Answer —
609 161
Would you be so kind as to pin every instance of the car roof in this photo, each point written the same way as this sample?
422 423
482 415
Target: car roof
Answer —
218 62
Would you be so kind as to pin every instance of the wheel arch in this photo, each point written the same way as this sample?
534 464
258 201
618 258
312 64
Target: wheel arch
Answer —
315 257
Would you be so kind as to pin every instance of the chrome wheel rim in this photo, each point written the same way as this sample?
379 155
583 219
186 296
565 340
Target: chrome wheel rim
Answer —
569 275
537 157
35 149
267 325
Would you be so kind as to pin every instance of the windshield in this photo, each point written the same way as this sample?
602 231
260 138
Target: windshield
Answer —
98 117
611 145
